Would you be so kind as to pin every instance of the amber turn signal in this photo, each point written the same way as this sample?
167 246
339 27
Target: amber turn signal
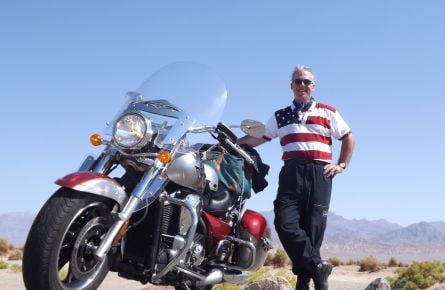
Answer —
96 140
165 157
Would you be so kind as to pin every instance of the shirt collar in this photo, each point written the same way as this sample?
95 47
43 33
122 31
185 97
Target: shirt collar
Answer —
312 101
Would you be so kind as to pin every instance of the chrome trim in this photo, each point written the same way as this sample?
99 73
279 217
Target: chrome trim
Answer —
151 185
187 170
105 188
192 203
267 244
252 248
236 279
87 163
215 276
103 161
192 274
123 216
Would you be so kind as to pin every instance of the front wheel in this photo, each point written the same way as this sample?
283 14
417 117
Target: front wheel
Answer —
59 251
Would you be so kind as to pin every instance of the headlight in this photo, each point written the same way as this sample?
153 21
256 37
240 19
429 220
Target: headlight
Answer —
132 131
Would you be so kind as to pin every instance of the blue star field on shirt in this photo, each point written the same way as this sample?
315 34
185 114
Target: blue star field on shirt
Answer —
288 116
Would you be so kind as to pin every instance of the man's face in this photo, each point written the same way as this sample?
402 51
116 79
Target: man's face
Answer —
302 86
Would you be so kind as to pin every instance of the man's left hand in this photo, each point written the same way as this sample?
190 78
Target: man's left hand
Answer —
332 169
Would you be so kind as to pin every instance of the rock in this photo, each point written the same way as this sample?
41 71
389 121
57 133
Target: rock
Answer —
379 284
272 283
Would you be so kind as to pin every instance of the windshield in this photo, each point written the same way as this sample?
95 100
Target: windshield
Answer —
176 98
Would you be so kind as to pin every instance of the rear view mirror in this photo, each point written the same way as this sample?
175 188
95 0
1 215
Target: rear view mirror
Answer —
253 128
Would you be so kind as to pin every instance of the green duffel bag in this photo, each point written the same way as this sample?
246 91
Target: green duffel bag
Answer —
231 173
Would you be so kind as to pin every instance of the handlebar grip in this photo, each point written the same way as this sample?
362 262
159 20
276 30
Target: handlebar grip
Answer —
226 132
241 152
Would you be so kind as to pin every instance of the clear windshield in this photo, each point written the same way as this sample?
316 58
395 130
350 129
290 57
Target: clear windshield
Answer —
178 97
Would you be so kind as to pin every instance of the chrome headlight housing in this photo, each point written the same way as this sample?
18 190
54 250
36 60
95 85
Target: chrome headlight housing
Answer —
132 131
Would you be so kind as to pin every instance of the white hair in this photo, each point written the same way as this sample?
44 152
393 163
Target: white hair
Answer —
300 68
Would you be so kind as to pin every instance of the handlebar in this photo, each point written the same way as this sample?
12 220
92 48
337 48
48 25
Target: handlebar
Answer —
227 138
241 152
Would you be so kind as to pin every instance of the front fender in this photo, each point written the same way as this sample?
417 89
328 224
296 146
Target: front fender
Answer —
94 183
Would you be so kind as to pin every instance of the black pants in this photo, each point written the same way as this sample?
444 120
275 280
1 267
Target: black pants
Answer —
301 209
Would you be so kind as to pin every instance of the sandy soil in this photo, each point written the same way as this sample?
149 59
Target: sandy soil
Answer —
342 278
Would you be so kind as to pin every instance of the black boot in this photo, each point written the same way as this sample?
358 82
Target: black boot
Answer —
303 282
320 275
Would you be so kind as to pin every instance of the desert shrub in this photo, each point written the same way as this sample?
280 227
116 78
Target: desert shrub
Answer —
227 286
269 260
400 264
5 247
259 274
335 261
419 275
279 260
370 264
352 262
15 255
392 262
16 267
3 265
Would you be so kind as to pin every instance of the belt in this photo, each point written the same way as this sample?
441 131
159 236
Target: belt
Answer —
304 162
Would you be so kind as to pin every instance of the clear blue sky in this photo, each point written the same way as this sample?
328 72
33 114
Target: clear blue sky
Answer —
66 65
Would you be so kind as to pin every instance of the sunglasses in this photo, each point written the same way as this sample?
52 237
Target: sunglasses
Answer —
299 82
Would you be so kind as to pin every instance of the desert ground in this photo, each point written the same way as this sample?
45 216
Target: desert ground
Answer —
342 278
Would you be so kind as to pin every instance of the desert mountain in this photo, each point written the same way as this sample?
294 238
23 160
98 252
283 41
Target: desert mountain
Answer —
341 233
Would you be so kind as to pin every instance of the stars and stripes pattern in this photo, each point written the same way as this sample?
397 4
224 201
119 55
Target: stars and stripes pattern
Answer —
286 117
311 137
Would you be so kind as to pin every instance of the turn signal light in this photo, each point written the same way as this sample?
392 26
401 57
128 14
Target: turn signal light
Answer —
165 157
96 140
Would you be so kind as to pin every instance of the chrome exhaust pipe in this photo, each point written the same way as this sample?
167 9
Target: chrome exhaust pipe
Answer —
217 276
236 279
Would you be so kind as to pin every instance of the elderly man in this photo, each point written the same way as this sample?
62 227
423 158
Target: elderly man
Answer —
305 129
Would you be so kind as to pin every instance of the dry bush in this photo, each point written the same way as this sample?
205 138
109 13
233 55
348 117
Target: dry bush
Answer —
393 262
351 262
370 264
15 255
280 259
3 265
16 268
269 260
5 247
335 261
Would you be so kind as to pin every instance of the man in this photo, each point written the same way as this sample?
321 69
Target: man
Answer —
306 129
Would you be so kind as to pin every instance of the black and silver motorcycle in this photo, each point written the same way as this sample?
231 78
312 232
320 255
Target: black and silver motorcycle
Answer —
157 206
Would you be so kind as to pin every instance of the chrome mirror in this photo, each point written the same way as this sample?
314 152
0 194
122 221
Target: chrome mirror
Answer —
253 128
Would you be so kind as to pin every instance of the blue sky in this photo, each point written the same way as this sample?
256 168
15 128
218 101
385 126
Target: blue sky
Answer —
65 67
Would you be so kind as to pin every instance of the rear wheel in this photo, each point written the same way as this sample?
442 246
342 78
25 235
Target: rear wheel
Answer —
59 251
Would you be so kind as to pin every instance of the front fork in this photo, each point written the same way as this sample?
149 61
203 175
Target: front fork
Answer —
148 189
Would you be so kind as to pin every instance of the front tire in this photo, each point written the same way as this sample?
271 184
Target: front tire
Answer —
59 251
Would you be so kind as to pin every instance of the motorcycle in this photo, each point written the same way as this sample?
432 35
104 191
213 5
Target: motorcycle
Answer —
156 206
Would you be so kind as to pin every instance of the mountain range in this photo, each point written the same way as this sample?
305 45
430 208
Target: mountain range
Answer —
344 238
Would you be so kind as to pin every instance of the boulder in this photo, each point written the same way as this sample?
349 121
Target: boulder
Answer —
272 283
379 284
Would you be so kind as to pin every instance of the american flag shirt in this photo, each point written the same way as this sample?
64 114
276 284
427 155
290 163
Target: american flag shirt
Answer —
307 135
